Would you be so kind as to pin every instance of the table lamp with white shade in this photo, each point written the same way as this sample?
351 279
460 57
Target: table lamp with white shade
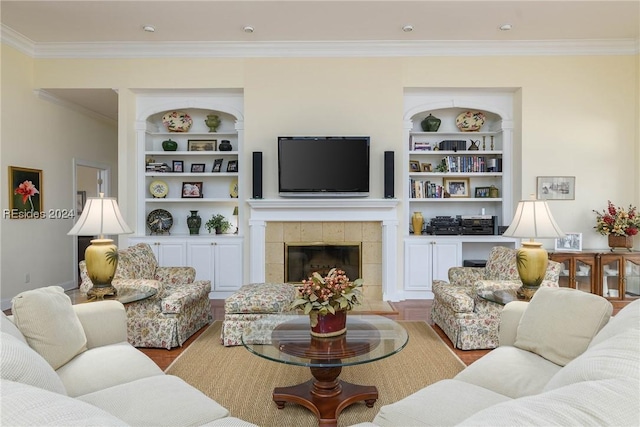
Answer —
101 216
532 220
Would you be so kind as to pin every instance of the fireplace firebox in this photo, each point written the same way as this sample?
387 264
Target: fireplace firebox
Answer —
303 259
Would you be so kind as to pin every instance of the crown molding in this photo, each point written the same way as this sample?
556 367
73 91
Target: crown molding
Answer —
49 97
369 48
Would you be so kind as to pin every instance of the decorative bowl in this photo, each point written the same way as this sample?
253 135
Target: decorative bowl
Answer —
177 121
470 121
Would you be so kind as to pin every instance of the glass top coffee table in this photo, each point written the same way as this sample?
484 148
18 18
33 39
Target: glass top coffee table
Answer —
368 338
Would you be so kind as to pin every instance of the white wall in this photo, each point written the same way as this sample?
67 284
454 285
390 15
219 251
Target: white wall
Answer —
575 115
41 135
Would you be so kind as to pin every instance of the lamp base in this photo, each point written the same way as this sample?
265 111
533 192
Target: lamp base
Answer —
102 259
99 292
531 261
526 292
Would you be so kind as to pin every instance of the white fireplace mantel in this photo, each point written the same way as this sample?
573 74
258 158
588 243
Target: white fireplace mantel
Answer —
324 210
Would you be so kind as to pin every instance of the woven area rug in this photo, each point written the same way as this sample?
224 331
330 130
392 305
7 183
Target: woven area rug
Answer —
243 382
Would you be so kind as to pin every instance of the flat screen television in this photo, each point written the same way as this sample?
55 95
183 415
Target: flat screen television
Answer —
323 166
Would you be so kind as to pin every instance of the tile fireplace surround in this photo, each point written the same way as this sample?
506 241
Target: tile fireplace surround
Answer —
272 222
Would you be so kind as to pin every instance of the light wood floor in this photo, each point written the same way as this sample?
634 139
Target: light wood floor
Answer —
405 310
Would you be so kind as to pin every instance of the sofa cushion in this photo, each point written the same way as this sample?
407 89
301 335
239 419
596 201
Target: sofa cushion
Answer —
617 357
510 371
106 366
161 400
431 406
21 363
610 402
627 318
261 298
559 323
25 405
47 320
7 326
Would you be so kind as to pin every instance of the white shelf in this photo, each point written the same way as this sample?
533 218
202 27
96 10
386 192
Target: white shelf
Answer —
456 174
208 135
456 199
190 174
459 152
191 153
192 200
467 135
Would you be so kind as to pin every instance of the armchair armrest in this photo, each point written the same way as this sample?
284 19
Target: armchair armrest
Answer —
104 322
496 285
175 275
179 296
466 276
509 321
121 284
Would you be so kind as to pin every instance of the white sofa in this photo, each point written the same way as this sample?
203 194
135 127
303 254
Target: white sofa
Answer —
560 361
65 365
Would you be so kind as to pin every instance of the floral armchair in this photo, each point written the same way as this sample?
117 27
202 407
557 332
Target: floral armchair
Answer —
180 307
469 321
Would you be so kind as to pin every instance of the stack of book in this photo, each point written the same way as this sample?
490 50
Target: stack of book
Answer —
158 167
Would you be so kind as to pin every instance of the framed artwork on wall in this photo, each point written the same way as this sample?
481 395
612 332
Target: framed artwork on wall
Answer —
571 242
81 199
25 192
556 188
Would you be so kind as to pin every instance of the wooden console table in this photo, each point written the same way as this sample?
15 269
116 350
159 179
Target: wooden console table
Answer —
613 275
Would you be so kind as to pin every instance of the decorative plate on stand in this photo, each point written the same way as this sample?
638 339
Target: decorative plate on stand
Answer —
159 189
470 121
177 121
233 189
159 221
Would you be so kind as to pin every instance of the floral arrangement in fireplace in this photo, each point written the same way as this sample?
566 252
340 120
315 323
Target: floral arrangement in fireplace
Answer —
617 221
324 295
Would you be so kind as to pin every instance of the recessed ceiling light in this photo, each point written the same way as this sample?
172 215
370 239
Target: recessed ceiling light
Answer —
149 28
248 29
505 27
407 28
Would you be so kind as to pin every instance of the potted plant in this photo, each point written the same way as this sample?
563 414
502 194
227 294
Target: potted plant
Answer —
326 300
619 224
219 223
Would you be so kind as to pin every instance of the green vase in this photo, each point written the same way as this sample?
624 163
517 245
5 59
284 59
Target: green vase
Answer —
194 222
430 123
169 145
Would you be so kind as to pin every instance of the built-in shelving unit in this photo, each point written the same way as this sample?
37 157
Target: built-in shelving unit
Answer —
452 173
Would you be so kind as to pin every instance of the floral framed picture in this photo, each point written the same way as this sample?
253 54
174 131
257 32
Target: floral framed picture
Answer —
456 187
25 191
192 190
178 166
556 187
571 242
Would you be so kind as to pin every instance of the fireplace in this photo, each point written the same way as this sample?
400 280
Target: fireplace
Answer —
303 259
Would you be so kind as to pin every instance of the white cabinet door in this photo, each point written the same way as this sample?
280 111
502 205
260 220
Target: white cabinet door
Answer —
444 256
169 252
429 259
228 262
200 256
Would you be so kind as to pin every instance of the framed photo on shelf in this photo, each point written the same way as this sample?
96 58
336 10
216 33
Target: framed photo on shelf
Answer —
197 167
178 166
414 166
426 167
191 190
232 166
571 242
556 187
456 187
482 192
202 145
25 191
217 165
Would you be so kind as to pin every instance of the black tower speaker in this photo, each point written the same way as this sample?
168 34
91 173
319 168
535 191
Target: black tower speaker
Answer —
257 175
388 175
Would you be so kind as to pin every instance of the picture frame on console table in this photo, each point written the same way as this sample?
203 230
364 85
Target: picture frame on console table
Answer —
456 187
571 242
556 188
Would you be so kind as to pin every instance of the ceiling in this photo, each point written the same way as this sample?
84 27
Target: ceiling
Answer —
65 24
